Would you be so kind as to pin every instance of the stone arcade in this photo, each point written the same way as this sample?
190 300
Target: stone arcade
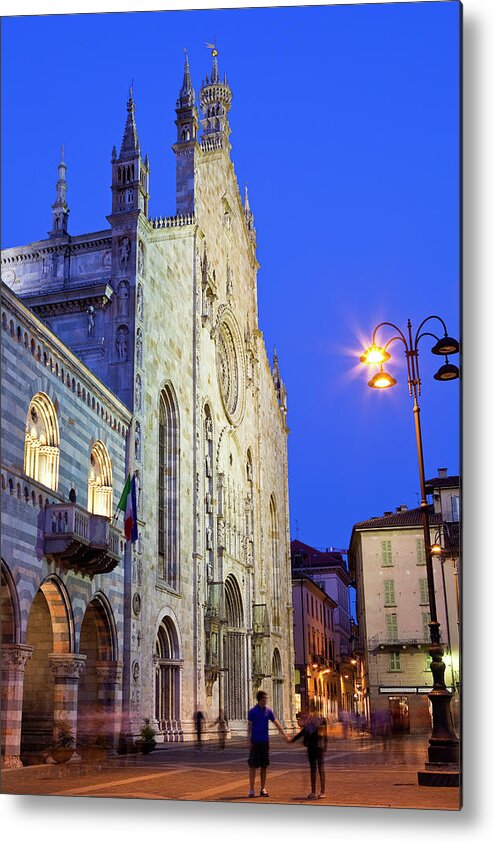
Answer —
143 354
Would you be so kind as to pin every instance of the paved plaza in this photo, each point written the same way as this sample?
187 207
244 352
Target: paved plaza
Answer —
359 772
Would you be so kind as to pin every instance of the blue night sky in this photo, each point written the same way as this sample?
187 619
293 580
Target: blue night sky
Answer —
345 127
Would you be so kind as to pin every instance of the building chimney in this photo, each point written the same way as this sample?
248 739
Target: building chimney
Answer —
442 472
387 513
402 508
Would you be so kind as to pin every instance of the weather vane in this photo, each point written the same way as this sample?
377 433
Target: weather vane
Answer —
212 47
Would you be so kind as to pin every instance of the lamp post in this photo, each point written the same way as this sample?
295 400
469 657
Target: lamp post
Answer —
443 752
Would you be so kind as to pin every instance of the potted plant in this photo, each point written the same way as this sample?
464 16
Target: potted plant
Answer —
146 740
63 742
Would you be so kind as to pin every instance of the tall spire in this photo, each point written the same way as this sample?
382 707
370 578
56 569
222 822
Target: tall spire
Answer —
185 146
130 141
187 95
215 99
60 208
130 176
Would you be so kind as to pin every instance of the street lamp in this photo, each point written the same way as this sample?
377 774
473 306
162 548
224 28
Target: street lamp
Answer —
443 766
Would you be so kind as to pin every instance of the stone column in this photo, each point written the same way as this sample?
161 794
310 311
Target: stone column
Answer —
109 674
67 668
14 659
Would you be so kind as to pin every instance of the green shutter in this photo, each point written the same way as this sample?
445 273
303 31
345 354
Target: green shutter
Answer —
419 543
389 592
394 662
392 627
386 554
424 592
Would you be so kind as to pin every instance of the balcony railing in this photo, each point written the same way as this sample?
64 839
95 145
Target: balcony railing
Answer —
81 541
403 641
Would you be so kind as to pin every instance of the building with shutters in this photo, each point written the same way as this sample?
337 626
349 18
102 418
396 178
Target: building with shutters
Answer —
387 561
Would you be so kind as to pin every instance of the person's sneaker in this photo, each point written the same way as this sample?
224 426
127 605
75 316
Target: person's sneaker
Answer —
251 793
264 793
311 796
321 795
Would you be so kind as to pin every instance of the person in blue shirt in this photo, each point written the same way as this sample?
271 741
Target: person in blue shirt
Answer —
258 720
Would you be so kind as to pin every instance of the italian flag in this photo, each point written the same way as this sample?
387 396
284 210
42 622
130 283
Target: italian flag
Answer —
127 504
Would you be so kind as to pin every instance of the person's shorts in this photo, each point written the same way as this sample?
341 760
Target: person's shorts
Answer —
259 756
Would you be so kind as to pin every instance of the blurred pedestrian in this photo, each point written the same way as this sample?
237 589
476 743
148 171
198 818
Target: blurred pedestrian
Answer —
314 733
222 723
258 721
199 723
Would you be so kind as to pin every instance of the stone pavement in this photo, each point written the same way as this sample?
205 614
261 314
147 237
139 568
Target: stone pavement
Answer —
359 772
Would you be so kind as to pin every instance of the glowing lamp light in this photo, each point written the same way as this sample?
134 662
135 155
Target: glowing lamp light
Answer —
381 380
436 549
374 354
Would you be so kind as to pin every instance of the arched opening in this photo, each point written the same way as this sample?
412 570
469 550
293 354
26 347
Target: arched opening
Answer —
49 630
277 674
96 713
42 442
9 608
100 482
168 488
167 680
234 652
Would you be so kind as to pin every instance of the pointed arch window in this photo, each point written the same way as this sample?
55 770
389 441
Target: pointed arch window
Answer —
275 540
168 488
100 482
167 687
42 442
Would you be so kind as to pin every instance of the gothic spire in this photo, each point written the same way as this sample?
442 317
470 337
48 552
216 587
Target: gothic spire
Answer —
187 95
130 176
60 208
130 142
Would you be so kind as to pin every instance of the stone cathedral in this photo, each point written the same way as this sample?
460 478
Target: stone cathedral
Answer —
137 350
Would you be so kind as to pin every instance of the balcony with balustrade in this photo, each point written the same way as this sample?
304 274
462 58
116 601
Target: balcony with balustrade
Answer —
81 541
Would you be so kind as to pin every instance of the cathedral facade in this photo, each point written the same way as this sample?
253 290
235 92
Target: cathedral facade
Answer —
163 313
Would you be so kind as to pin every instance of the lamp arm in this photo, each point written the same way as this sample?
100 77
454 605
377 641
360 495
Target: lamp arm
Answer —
438 318
395 327
425 333
394 339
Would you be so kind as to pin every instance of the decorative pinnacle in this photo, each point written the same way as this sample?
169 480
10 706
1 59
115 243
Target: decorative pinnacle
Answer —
187 95
130 141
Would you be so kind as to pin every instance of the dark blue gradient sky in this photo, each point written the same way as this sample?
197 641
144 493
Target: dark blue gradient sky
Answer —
345 127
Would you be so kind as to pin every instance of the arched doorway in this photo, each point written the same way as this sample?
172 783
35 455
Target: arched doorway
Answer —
97 713
9 608
50 632
167 681
234 653
276 671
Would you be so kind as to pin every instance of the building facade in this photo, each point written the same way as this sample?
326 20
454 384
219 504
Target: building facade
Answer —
327 570
387 559
64 444
316 675
164 312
